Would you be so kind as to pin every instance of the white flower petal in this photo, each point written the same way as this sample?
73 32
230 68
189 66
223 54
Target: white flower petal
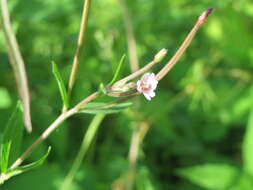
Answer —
145 77
154 85
152 94
147 96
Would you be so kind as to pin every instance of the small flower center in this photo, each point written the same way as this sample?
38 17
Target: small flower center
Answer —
145 86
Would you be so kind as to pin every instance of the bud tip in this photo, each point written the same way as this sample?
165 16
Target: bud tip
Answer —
209 11
204 15
160 55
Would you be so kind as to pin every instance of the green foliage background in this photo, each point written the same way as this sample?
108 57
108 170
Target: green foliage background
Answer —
200 133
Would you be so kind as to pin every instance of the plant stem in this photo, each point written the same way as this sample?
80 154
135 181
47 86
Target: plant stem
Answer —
87 140
178 54
43 136
79 45
17 64
52 127
184 45
86 100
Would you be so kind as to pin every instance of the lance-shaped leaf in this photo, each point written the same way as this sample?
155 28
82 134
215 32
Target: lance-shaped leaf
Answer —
117 73
61 86
16 171
104 108
11 138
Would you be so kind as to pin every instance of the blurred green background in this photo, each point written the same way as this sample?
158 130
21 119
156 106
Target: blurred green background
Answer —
200 127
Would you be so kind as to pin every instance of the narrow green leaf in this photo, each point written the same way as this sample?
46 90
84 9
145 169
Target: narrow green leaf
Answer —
104 108
61 85
116 74
11 138
247 146
25 168
5 152
210 176
86 143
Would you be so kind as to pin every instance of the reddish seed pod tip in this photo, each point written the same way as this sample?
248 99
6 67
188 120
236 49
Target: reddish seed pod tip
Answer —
209 11
204 15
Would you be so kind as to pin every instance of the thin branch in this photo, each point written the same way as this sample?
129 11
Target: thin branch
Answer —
17 63
86 100
122 94
43 136
83 25
52 127
131 42
178 54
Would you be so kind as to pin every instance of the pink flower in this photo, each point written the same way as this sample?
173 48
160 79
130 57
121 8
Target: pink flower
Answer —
147 85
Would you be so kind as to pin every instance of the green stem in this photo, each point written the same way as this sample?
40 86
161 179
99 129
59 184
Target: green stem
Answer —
87 140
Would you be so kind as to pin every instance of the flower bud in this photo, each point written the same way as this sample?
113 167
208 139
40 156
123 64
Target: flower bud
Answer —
160 55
